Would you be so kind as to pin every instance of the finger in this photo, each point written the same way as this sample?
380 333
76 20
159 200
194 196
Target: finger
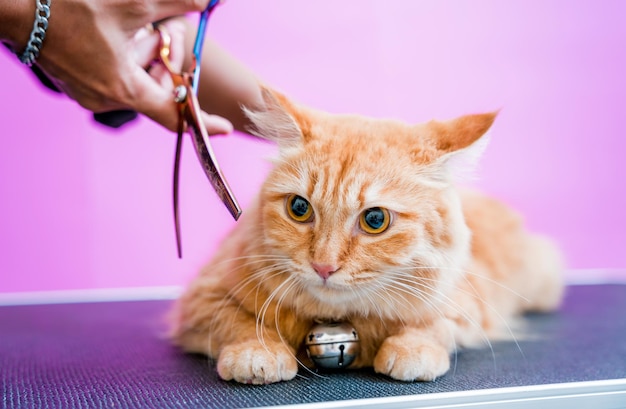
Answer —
216 125
146 44
146 47
157 103
177 30
154 100
153 91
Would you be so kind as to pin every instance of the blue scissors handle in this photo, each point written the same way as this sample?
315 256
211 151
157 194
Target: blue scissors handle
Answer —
189 120
199 43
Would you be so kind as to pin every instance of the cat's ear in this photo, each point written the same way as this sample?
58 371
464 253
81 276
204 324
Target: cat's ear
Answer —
279 120
461 142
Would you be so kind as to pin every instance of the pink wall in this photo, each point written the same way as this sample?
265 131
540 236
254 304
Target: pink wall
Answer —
85 207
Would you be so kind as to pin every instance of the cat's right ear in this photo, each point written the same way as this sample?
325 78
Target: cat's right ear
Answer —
278 120
460 143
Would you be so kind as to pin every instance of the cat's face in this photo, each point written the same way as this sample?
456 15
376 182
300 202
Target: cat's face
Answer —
357 207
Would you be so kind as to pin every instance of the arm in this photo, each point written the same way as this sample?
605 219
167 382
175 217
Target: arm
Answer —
225 83
91 51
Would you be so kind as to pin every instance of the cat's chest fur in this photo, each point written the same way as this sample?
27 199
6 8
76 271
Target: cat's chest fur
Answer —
293 320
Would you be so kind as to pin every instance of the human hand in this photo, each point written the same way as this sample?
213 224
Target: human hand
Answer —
97 53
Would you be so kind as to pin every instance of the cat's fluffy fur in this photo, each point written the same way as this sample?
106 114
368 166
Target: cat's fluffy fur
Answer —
452 268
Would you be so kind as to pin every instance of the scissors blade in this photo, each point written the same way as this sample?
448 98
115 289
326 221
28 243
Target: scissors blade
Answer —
200 139
179 145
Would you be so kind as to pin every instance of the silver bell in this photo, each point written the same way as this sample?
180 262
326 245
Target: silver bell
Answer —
332 345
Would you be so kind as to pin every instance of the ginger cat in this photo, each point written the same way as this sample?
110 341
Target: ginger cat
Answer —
360 221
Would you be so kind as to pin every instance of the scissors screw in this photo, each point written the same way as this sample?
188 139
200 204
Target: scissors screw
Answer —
180 94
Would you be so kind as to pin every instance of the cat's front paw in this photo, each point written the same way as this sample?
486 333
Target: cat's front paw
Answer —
411 360
254 363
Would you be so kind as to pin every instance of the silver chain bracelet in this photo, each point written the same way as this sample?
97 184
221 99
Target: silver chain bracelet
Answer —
42 14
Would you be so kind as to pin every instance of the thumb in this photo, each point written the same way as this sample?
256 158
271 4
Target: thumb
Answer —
155 101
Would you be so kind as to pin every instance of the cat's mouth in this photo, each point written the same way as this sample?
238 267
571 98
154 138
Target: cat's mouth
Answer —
331 293
339 280
315 283
340 285
333 286
327 284
318 283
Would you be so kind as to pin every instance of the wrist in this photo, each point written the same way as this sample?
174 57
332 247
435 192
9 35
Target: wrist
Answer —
16 22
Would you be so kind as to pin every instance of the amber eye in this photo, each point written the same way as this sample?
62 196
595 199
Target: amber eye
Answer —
299 209
375 220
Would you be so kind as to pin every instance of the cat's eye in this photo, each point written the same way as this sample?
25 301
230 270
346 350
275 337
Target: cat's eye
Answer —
375 220
299 209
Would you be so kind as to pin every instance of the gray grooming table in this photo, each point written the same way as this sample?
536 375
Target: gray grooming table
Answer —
115 354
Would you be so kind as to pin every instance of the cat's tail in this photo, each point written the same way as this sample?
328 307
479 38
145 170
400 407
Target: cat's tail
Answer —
543 286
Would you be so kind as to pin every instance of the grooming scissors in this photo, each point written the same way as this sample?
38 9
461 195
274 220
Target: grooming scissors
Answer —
185 96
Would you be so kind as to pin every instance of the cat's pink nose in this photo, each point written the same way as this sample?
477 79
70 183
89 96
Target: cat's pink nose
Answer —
324 270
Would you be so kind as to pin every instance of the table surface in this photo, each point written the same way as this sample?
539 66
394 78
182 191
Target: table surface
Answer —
116 354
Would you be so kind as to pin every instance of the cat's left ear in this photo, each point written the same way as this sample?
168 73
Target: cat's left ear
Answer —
461 142
279 120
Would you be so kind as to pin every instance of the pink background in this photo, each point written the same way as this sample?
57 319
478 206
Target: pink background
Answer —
85 207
